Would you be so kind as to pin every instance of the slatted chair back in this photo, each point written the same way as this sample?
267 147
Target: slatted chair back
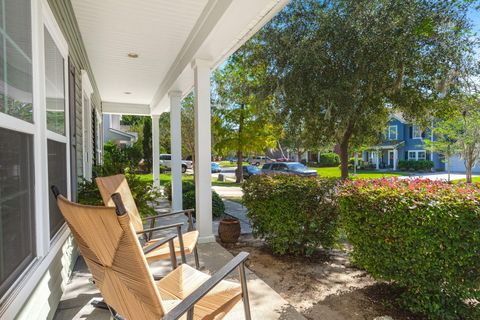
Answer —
118 184
113 254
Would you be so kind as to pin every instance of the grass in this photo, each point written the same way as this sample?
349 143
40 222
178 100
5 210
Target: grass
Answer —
474 180
361 174
167 177
228 164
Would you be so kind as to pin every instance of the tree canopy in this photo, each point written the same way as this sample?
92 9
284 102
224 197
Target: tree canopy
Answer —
344 66
243 116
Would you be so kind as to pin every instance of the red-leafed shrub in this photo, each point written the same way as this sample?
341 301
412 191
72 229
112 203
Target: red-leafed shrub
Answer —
423 236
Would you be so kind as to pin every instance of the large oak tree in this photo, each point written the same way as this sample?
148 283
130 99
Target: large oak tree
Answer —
344 65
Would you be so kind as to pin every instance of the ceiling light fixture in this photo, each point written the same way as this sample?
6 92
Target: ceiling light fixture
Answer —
132 55
127 92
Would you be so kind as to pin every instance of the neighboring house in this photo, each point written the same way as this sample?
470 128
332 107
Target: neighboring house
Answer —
67 62
113 131
402 141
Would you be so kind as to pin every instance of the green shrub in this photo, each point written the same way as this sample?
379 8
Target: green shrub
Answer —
188 189
422 235
293 214
413 165
330 159
118 159
143 192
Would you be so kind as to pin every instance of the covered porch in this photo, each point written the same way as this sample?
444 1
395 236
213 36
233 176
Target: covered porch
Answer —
384 156
77 60
147 58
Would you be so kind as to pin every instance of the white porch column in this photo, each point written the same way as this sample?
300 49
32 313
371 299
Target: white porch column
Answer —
176 149
395 159
156 150
377 158
203 153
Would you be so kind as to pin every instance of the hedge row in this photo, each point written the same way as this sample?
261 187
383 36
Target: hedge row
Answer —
330 159
188 189
293 214
413 165
422 235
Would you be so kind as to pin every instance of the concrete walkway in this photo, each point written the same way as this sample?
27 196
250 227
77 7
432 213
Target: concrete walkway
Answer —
436 176
239 212
265 303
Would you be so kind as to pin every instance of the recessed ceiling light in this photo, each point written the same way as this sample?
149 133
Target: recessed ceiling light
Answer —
132 55
127 92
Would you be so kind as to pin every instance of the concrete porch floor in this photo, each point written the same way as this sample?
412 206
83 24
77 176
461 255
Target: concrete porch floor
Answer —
265 303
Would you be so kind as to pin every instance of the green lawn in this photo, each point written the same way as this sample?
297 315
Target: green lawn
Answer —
228 164
167 177
361 174
474 180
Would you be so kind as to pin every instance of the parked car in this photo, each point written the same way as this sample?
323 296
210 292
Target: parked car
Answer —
249 171
166 162
283 159
216 167
259 160
288 168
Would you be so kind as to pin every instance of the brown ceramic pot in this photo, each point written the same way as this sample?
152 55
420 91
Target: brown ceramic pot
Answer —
229 230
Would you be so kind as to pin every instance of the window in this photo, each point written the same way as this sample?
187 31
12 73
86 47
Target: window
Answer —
16 81
417 155
56 145
17 187
392 133
421 155
412 155
17 231
57 175
54 86
416 132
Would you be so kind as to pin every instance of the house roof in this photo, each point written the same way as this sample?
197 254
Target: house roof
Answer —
399 117
121 135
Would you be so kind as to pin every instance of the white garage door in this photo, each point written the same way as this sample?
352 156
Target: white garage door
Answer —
458 165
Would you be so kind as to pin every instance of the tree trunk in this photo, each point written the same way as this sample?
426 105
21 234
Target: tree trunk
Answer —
469 173
344 151
239 171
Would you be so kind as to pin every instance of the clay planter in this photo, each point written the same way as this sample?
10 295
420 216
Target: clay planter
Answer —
229 230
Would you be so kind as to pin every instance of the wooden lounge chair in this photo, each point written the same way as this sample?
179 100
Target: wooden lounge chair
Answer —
114 256
188 241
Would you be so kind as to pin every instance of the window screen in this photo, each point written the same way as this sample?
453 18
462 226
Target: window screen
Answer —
17 212
57 175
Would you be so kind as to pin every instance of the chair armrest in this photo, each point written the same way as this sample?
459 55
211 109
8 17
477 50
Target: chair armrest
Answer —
167 214
159 243
161 228
171 246
187 304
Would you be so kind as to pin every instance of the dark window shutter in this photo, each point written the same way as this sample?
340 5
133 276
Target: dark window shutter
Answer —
406 155
94 136
411 132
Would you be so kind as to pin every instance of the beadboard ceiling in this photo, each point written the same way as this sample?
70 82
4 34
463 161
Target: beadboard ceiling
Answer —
167 35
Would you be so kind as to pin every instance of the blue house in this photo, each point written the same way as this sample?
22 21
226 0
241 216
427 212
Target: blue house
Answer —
402 141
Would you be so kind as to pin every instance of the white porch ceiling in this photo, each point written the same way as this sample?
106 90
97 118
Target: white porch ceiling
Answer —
167 35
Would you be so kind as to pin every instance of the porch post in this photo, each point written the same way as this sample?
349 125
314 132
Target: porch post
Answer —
176 149
395 159
378 159
156 150
203 153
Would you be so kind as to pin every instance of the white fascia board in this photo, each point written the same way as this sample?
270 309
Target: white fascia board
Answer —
125 108
180 75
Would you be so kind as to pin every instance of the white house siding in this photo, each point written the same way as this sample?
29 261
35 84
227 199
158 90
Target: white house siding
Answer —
457 165
44 300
